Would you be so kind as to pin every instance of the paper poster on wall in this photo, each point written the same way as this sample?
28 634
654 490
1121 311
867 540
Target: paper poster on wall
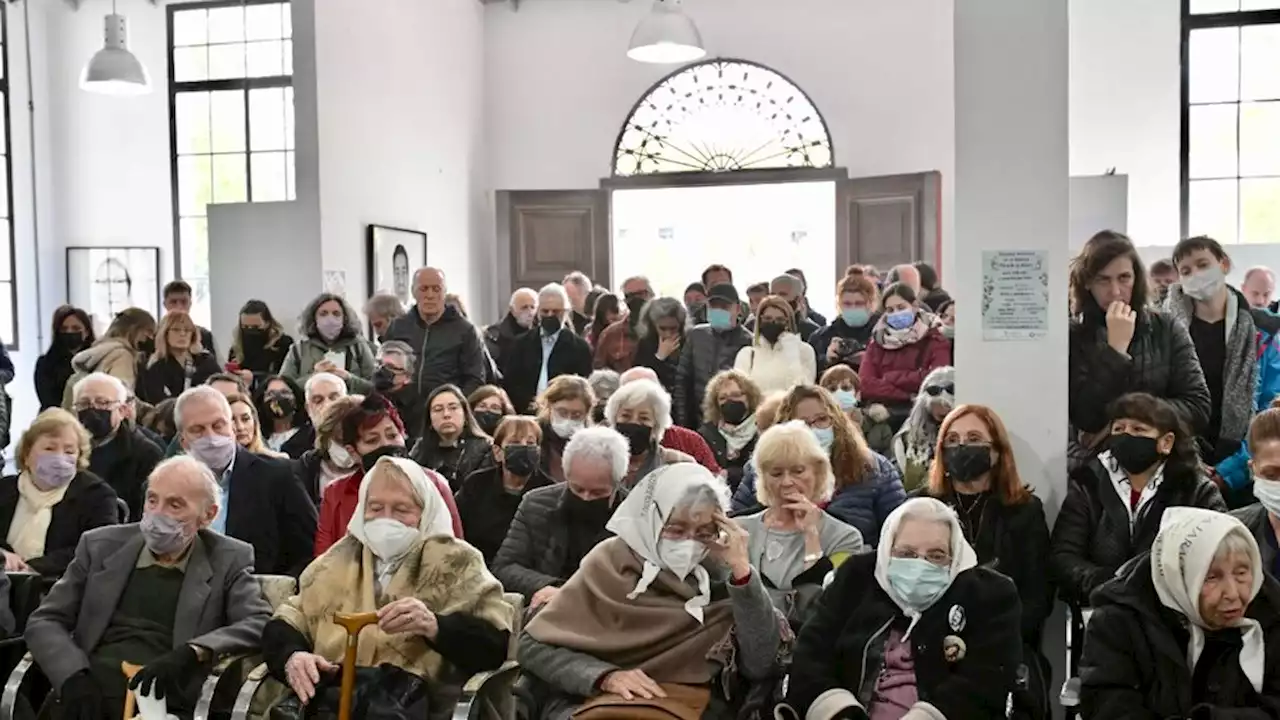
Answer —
1015 294
335 281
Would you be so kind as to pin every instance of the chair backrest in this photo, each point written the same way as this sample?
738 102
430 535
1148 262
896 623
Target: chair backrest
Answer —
516 601
277 588
122 510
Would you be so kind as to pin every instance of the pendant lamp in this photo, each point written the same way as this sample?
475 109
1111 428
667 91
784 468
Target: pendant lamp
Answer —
114 70
666 35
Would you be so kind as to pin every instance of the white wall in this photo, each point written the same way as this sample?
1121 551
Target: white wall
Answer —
1125 105
558 84
401 136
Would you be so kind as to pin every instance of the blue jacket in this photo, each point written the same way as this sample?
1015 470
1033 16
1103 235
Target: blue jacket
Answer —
1234 471
864 505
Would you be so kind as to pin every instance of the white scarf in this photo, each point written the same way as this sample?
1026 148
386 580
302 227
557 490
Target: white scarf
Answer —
435 519
737 436
31 518
962 555
639 520
1180 558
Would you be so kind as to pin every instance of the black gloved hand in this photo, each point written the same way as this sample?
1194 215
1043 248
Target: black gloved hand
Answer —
167 675
80 697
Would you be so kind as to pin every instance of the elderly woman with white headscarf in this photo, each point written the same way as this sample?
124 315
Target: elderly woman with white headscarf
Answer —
917 631
668 613
1191 630
441 615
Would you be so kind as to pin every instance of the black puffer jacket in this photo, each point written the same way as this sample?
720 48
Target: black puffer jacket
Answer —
1135 658
665 368
1162 361
842 644
455 465
1093 538
449 350
822 340
705 353
125 463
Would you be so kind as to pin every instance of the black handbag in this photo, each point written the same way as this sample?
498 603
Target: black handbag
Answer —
385 692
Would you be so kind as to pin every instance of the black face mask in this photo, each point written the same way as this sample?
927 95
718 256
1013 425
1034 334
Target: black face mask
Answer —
281 406
70 340
587 513
597 414
96 421
635 303
771 331
966 462
253 339
639 437
733 412
520 460
488 420
148 346
1135 453
384 378
368 460
550 324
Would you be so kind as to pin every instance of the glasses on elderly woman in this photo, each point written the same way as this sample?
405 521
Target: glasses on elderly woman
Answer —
936 390
704 534
940 558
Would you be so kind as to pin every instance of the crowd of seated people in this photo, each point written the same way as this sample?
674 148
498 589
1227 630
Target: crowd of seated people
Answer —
713 508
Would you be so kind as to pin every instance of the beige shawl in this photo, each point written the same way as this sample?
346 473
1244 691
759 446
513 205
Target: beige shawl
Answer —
31 518
446 574
653 632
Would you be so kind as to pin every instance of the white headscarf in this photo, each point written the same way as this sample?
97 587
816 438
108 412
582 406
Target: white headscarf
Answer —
435 520
639 520
1180 558
962 555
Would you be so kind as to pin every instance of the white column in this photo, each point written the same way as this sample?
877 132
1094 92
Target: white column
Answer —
1011 193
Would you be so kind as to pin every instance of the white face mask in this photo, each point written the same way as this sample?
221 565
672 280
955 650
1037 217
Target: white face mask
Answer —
340 458
681 556
564 427
1203 285
1268 493
389 539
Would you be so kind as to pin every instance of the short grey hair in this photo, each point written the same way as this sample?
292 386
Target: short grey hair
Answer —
401 348
641 393
324 377
604 383
636 278
187 465
203 393
601 444
578 279
791 281
522 291
122 390
384 305
1233 543
1259 269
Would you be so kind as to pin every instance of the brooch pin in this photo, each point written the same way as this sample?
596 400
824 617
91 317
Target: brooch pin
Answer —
953 648
956 618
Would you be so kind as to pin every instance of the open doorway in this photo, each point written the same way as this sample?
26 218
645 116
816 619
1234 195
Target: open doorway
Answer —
670 234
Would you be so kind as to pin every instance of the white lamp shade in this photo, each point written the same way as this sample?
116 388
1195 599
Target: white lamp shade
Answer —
114 70
666 35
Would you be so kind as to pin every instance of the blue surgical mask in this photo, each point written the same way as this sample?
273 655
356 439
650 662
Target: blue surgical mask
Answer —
855 317
719 319
900 320
825 437
847 399
918 582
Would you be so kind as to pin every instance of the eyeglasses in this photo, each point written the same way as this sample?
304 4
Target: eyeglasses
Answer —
941 558
936 390
95 404
702 535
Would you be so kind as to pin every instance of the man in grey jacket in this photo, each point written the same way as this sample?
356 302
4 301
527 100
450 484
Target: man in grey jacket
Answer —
165 593
447 344
708 348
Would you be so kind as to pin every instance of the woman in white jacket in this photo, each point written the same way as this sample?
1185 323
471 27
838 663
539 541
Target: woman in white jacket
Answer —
777 358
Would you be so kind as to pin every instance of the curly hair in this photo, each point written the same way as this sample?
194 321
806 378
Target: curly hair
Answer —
850 456
307 320
1096 254
710 403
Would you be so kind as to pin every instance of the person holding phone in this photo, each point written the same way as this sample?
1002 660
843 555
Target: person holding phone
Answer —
331 343
844 341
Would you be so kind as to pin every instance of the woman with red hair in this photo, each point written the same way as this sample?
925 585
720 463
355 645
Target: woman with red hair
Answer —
367 428
974 472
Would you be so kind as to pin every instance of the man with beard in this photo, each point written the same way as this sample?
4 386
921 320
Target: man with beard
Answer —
616 346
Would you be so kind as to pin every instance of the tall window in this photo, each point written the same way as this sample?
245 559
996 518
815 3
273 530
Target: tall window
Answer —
1231 120
8 289
231 119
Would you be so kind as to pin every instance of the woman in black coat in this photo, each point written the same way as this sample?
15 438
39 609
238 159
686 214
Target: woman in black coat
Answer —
72 332
1115 502
259 346
917 626
1118 345
53 492
975 474
847 337
1191 630
661 335
452 443
491 495
729 427
179 362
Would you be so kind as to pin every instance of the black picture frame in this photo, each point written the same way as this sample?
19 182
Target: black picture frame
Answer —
385 270
103 280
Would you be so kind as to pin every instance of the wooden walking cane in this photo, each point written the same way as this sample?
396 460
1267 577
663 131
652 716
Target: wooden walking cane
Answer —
353 623
129 670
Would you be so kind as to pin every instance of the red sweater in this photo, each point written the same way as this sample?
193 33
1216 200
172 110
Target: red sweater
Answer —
339 504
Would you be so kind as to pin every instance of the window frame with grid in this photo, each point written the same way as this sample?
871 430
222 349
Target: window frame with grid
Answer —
1240 20
244 85
8 270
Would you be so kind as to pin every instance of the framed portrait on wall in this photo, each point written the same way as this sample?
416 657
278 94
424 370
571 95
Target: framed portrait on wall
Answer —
393 254
105 280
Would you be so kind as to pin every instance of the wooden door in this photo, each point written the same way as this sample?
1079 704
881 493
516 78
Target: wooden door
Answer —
888 220
551 233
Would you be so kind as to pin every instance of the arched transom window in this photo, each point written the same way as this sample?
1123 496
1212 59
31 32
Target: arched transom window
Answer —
722 115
